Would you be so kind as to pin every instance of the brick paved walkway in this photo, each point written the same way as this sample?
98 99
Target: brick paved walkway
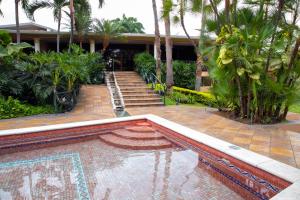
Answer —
93 103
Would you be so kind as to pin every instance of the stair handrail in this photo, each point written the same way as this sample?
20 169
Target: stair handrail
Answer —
151 78
119 91
110 91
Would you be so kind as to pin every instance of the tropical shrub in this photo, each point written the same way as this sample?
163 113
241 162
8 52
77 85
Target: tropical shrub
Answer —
256 62
12 108
144 63
200 97
183 98
49 78
184 72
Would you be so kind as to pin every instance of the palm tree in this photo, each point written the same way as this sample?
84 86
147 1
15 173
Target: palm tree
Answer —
107 30
24 4
157 41
167 6
199 62
72 23
83 22
129 25
56 6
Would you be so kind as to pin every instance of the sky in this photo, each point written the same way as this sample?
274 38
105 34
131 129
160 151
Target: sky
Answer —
141 9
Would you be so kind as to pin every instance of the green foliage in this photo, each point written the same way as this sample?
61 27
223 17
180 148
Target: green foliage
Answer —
183 98
128 25
295 108
255 63
144 63
12 108
195 96
39 77
5 38
184 72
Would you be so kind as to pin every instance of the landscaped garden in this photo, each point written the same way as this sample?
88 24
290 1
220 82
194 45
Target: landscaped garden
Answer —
245 66
250 50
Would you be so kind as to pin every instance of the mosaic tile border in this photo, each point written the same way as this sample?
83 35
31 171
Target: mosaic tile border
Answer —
81 185
225 164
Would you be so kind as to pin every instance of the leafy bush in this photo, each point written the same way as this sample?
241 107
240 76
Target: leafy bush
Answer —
145 63
184 72
200 97
43 78
12 108
182 98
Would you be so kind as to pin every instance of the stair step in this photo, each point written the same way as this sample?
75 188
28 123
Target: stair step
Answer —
131 84
134 88
142 100
137 135
135 144
143 104
144 92
144 129
140 96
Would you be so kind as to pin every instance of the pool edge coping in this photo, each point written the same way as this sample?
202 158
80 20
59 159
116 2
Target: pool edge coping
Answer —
279 169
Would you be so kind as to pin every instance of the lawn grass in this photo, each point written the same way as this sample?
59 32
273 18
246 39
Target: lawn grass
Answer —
295 108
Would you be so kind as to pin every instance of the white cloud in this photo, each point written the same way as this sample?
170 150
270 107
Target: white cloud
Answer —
141 9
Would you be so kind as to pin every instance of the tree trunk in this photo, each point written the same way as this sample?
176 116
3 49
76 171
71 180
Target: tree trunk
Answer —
157 42
293 57
227 11
242 107
58 33
17 21
279 11
72 22
199 61
80 42
216 12
199 64
168 41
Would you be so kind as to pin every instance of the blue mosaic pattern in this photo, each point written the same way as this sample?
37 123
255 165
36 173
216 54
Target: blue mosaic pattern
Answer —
82 190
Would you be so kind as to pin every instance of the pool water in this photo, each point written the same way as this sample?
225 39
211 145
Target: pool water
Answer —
106 172
134 162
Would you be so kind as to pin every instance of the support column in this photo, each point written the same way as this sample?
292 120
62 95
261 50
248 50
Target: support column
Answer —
147 48
37 44
92 46
154 49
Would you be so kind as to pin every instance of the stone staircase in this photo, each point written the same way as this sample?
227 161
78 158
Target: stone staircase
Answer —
135 91
137 138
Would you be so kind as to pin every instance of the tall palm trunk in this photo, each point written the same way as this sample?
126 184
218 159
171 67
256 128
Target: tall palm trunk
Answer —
227 11
58 33
17 21
157 41
72 22
199 61
168 41
277 20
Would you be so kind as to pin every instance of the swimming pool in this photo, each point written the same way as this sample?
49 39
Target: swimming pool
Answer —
139 157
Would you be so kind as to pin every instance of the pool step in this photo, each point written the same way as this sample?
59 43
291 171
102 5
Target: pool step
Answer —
140 129
137 135
121 142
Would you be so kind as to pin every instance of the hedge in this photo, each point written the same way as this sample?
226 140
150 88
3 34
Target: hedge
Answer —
205 98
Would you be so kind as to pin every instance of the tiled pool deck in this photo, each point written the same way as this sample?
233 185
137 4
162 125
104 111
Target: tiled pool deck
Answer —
280 142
